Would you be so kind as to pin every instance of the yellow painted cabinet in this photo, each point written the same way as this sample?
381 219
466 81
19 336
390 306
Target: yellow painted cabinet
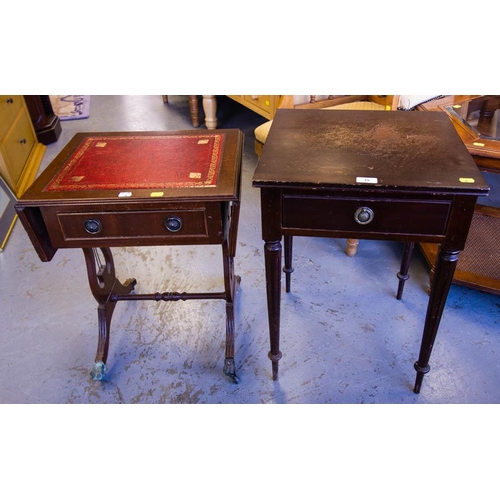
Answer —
20 151
265 105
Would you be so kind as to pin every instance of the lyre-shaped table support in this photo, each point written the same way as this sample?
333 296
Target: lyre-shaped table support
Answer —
108 290
103 285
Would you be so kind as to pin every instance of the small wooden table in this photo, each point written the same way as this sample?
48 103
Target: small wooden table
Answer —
402 176
139 189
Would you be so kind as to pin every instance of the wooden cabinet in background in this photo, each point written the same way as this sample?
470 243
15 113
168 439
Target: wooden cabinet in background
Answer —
479 263
20 151
45 122
265 105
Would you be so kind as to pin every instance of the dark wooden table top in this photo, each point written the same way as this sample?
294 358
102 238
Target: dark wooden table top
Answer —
368 149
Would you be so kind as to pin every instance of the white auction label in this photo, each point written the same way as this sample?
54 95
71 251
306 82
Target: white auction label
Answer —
367 180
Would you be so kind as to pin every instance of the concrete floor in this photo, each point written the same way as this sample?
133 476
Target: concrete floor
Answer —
344 336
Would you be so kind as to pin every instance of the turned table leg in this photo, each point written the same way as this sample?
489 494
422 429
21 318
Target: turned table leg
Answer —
405 266
210 108
194 110
272 254
445 267
287 268
351 247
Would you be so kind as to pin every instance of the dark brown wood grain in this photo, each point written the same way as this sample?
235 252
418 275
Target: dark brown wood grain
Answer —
99 219
409 170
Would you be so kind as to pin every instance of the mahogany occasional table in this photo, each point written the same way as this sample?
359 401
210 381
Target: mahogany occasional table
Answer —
139 189
402 176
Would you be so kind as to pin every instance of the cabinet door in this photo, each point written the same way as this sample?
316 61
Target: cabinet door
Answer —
9 107
17 146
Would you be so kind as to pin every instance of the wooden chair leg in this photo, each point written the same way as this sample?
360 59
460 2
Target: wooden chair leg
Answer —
194 109
258 147
352 247
209 103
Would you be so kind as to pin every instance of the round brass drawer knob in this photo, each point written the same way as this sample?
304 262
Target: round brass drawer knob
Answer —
92 226
364 215
173 224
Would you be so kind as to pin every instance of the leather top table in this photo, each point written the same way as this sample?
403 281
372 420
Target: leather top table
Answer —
139 189
398 175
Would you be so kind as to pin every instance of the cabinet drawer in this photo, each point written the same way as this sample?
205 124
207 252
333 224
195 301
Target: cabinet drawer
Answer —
262 102
131 227
9 107
378 216
17 145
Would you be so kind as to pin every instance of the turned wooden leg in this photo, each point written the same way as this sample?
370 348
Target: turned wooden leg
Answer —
272 254
194 109
405 266
210 109
445 267
352 247
288 269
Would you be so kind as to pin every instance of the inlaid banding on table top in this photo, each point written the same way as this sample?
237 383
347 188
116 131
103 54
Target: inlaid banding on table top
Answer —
142 162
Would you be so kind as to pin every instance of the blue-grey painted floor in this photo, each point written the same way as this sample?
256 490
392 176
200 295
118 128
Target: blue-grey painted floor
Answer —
344 336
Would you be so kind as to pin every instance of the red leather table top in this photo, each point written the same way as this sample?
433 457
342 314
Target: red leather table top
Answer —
104 162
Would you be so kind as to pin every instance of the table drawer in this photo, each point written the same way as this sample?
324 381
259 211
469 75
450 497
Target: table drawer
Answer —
132 227
396 216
